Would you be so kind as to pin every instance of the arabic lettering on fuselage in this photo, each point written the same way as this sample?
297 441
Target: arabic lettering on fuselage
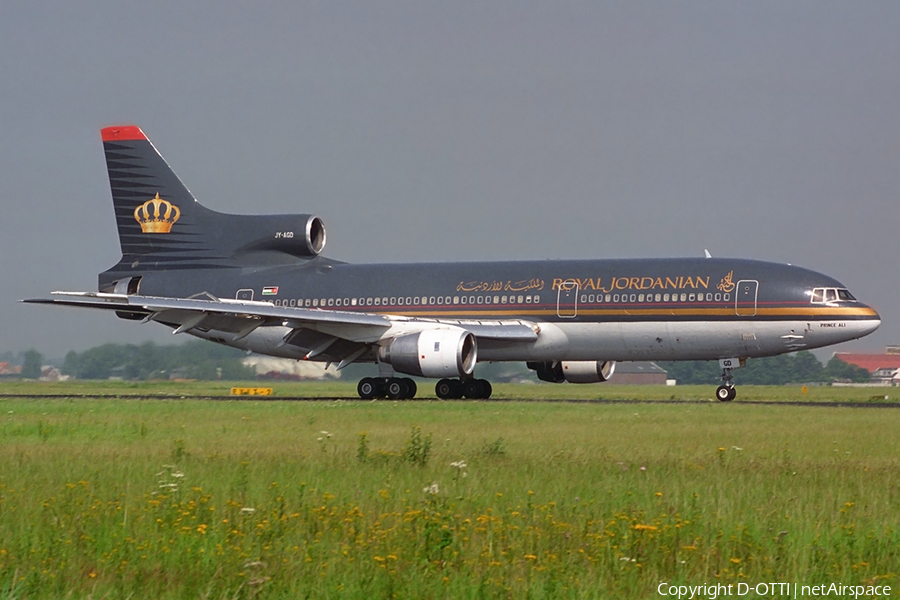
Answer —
523 285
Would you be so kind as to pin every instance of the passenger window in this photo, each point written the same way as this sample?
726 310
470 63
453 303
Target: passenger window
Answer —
456 300
377 301
615 297
690 298
632 297
640 298
665 297
408 300
527 299
368 302
315 302
337 302
521 299
537 299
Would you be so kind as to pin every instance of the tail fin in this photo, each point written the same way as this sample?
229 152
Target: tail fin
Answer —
162 226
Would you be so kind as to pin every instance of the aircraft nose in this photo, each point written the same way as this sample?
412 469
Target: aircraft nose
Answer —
869 324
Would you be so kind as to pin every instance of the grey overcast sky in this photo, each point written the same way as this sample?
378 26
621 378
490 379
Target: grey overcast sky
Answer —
459 131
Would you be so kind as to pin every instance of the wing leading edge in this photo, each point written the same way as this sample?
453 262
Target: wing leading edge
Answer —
240 318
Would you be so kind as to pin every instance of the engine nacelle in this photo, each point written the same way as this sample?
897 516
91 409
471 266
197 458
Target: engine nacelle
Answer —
432 353
297 235
588 371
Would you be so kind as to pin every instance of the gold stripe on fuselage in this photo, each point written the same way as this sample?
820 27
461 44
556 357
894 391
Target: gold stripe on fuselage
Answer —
814 312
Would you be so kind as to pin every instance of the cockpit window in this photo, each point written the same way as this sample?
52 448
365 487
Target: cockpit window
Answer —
825 295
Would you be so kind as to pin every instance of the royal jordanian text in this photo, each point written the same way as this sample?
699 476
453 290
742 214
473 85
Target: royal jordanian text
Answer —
633 283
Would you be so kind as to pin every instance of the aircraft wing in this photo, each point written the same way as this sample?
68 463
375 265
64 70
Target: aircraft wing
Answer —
239 318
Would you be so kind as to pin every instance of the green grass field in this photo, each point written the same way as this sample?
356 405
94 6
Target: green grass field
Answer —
119 498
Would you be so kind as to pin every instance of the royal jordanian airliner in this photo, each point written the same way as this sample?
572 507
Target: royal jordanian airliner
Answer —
260 283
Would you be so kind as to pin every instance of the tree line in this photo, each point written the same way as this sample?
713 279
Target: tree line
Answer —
799 367
196 359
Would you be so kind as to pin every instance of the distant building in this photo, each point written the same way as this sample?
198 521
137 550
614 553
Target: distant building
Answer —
268 367
639 373
883 368
7 370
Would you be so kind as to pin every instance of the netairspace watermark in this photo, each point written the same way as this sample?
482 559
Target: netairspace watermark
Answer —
771 590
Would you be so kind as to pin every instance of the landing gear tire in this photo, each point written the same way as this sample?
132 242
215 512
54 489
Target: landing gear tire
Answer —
454 389
400 389
726 393
472 389
395 389
367 388
477 389
443 389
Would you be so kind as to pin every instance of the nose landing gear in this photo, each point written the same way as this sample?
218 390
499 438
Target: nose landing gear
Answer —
727 392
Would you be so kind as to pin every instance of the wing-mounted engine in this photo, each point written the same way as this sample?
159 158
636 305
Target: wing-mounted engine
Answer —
432 353
588 371
578 371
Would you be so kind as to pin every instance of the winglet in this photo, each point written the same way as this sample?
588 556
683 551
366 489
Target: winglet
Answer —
122 132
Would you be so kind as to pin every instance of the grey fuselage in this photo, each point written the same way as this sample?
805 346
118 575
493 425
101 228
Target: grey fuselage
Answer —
628 309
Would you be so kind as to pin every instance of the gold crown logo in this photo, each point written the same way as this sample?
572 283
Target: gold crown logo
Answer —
159 218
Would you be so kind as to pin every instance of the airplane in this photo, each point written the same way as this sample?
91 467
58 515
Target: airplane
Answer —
261 284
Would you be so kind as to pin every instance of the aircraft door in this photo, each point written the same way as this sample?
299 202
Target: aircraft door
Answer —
246 294
567 299
745 297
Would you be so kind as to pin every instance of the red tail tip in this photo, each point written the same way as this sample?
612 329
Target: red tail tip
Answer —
118 133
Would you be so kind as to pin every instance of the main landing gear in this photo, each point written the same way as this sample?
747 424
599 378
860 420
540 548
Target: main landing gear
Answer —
454 389
395 388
